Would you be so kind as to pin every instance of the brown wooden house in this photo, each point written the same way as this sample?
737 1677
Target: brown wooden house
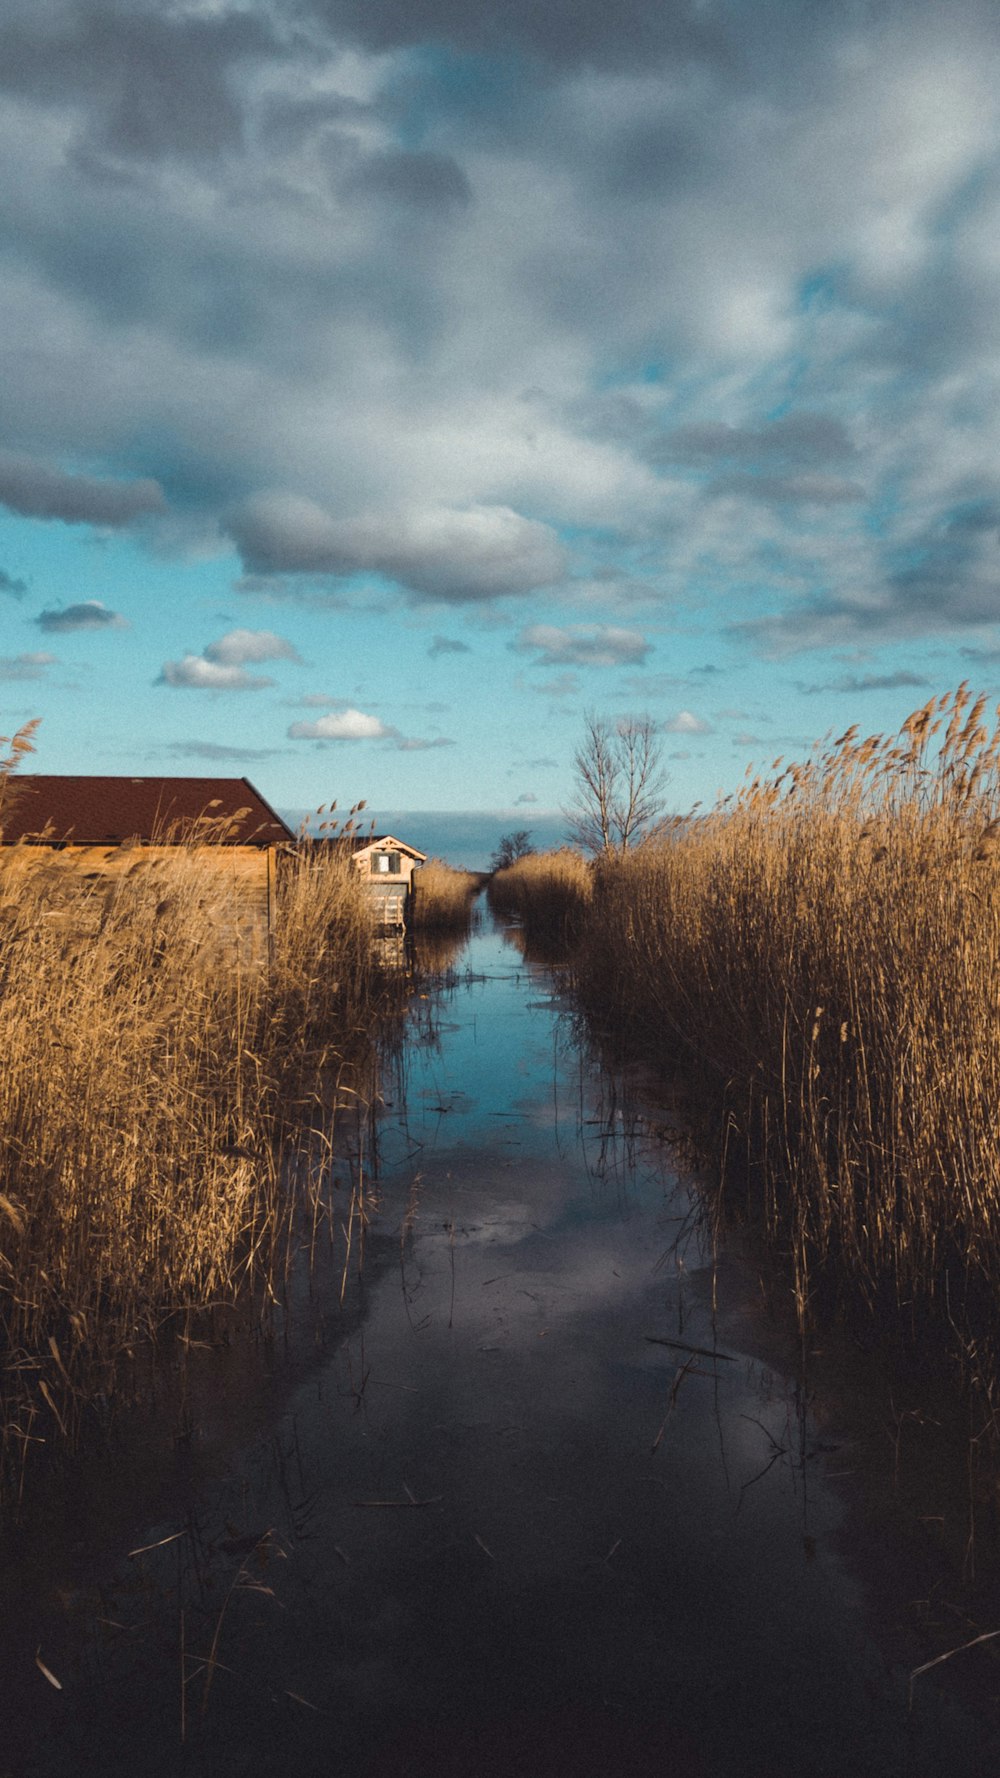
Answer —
88 831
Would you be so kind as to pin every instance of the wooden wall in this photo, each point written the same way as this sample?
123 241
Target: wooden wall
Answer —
235 884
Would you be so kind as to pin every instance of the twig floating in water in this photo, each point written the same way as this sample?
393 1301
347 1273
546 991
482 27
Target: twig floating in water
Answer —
430 1501
682 1346
987 1636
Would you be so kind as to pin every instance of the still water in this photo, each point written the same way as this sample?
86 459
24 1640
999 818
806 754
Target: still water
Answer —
516 1492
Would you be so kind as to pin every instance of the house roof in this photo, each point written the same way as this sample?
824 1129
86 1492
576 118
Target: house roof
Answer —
105 811
363 842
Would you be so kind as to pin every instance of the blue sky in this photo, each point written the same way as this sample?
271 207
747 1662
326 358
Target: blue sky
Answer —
386 385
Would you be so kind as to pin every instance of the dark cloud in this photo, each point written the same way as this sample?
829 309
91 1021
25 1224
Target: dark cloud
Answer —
779 490
988 656
37 491
456 556
446 645
583 645
795 439
89 615
151 84
15 589
216 751
564 33
409 178
950 579
854 682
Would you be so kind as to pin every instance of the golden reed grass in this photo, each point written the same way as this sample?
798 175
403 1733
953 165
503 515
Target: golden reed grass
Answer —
820 956
442 896
548 891
160 1077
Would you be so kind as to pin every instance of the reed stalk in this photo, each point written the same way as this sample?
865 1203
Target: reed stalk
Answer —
159 1073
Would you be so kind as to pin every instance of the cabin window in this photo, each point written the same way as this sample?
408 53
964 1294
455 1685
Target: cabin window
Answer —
386 864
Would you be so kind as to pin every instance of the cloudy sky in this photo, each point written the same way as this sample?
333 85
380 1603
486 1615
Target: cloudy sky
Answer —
387 382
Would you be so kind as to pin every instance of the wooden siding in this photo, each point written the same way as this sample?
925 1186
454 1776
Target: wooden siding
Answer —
77 883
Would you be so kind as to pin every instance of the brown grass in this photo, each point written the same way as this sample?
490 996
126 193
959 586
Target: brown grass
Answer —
823 953
159 1080
442 897
549 892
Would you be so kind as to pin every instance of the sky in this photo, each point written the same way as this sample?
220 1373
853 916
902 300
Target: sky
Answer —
386 384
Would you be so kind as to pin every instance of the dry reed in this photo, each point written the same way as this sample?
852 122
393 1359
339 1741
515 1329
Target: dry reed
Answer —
442 897
549 892
824 952
159 1070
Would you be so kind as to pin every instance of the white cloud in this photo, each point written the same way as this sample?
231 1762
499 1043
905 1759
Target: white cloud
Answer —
687 723
204 675
341 725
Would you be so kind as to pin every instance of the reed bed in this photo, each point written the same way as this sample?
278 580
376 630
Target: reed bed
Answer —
550 892
823 954
442 897
159 1075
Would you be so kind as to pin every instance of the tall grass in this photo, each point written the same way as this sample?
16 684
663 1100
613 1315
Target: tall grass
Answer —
550 892
823 952
442 897
157 1076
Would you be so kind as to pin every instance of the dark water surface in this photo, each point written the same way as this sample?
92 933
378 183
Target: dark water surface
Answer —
477 1519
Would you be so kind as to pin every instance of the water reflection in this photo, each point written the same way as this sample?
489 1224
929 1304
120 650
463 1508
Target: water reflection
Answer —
517 1494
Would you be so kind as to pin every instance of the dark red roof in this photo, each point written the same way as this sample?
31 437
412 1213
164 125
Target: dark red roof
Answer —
106 811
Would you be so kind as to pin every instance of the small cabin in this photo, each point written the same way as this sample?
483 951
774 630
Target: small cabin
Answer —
83 834
387 865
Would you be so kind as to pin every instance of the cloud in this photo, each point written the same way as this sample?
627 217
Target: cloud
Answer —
341 725
562 35
944 577
414 744
457 316
90 614
777 490
456 556
798 438
985 655
35 490
197 673
237 648
8 584
687 723
583 645
853 682
564 685
25 666
221 664
446 645
413 179
217 751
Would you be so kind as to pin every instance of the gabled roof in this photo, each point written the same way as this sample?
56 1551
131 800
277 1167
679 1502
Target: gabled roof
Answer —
49 808
363 842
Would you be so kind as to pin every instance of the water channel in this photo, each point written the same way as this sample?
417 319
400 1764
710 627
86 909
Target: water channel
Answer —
536 1497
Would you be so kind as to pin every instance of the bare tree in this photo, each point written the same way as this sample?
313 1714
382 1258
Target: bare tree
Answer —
619 784
512 847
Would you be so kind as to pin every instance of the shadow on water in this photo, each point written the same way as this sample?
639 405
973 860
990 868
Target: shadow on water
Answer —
531 1490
